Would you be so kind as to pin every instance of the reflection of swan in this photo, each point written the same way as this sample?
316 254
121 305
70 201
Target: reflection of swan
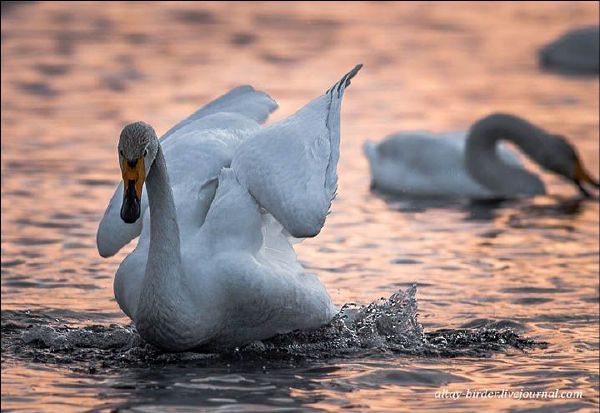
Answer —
577 52
472 166
214 263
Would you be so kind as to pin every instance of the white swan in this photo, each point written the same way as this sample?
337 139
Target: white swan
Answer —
214 264
474 164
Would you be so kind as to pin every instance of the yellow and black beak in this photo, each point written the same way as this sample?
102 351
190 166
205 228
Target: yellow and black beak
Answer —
581 176
133 181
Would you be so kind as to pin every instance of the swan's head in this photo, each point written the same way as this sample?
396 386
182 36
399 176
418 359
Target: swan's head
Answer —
138 145
560 157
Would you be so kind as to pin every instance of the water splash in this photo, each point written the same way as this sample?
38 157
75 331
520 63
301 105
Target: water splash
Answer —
384 326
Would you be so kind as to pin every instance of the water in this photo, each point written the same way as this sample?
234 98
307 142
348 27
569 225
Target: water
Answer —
73 75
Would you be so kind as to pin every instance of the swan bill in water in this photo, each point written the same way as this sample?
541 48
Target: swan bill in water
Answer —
581 176
133 181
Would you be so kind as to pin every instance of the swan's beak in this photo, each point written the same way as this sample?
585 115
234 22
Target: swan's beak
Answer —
133 181
581 176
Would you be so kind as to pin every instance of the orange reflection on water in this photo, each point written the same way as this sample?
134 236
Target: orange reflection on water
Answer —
74 74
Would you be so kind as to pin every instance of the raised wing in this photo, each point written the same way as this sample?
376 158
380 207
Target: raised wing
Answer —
241 110
290 167
243 100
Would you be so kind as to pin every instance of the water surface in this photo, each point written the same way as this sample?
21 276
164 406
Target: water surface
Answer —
74 74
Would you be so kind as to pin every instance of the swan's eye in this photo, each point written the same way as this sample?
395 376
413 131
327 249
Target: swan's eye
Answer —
121 152
145 152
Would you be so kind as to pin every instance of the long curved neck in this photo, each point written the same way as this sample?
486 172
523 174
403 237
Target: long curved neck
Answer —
161 314
486 166
164 251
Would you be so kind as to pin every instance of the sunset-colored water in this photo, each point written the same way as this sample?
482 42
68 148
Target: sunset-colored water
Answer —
74 74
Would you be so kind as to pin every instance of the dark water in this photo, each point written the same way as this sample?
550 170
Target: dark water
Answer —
380 332
490 276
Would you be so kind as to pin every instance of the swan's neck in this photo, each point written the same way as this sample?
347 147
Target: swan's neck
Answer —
489 169
161 314
164 250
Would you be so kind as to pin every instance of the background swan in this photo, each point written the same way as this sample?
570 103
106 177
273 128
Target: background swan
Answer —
214 263
473 164
575 52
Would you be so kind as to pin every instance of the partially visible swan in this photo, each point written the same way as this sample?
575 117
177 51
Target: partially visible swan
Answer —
474 164
214 264
575 52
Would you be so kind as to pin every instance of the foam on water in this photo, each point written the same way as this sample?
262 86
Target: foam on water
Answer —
384 326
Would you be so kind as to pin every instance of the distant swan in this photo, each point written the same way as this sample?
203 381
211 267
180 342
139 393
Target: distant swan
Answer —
214 264
575 52
473 165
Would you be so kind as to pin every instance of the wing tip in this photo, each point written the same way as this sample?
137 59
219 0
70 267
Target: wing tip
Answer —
251 89
105 249
344 82
353 73
269 102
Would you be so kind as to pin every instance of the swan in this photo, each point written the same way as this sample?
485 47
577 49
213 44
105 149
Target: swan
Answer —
226 199
475 164
575 52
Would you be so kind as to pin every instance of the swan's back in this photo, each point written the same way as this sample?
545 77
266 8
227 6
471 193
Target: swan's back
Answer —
246 258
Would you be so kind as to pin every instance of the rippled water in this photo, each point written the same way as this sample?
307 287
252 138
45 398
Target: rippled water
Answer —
73 75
